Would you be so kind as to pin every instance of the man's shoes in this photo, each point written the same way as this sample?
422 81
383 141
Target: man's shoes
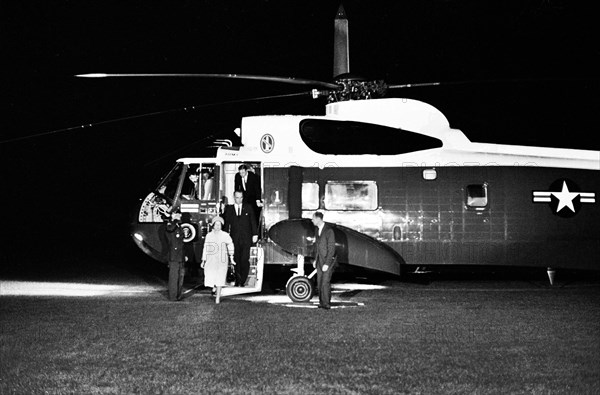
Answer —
324 307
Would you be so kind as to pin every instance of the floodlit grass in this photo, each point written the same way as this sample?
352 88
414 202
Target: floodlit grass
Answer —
406 339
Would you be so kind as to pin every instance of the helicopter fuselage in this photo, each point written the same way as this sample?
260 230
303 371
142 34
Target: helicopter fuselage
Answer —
402 188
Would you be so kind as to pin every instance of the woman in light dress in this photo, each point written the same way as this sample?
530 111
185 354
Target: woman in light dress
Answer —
216 255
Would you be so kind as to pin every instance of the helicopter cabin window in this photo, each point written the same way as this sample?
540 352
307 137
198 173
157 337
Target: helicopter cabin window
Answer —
351 195
355 138
477 197
310 196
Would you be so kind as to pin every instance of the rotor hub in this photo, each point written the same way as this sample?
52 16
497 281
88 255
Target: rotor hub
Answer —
355 88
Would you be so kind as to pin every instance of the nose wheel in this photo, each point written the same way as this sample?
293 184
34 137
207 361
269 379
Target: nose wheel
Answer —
299 289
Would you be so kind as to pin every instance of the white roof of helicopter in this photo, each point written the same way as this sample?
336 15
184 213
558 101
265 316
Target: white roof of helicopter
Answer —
275 140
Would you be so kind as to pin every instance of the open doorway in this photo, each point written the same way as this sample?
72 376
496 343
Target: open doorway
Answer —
246 177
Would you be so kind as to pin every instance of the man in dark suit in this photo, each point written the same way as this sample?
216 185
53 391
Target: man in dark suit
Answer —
248 183
241 225
325 259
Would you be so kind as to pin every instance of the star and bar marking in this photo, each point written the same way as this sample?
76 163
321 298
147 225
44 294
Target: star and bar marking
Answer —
566 198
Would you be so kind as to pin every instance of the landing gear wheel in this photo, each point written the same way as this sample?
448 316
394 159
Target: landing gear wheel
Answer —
176 273
299 289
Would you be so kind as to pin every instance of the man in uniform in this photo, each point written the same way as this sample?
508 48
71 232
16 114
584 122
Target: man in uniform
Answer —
175 237
325 259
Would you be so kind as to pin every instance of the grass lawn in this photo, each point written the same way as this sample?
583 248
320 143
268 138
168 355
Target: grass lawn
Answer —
405 339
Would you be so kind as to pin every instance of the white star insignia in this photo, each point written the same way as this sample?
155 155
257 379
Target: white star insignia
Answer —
565 198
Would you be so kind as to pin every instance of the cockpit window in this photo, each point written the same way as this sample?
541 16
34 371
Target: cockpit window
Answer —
190 187
355 138
157 204
168 185
208 186
199 183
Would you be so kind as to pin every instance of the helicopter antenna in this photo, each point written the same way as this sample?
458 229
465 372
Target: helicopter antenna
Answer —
341 44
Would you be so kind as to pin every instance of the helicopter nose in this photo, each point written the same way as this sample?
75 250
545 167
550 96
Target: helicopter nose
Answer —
148 240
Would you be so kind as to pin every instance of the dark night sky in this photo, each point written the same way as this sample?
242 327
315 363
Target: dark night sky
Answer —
534 65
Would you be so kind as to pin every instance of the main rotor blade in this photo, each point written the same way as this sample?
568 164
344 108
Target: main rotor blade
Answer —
418 84
286 80
173 110
492 81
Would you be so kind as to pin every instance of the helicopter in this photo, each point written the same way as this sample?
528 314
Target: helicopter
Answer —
400 187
